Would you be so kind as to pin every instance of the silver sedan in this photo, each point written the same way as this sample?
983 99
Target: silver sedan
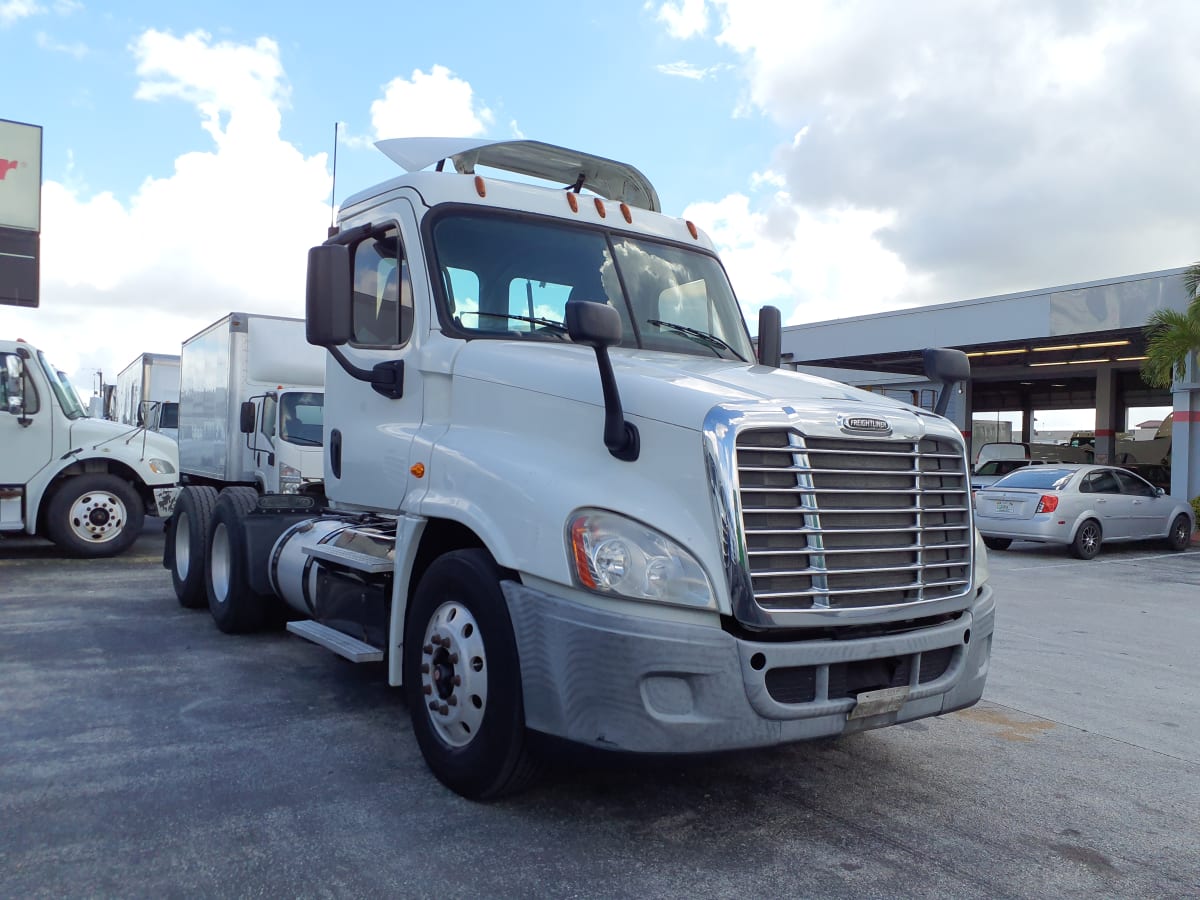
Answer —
1080 506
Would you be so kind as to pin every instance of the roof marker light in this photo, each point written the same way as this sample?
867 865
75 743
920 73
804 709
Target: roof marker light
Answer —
572 202
693 231
626 213
600 208
480 187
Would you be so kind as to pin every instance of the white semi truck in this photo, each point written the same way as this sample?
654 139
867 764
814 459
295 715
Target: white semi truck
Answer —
84 483
250 405
147 393
563 497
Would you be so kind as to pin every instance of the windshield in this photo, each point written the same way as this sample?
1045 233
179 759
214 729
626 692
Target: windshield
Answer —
68 399
510 277
301 414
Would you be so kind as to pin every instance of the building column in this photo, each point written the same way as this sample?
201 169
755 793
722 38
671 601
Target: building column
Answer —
1026 418
1106 415
1185 433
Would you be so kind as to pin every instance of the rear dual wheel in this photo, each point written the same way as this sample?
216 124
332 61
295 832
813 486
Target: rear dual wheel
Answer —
186 532
235 606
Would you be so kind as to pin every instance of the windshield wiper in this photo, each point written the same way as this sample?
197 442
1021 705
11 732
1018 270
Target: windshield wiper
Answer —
557 327
711 339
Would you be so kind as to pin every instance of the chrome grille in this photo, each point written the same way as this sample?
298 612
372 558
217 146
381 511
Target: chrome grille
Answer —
837 523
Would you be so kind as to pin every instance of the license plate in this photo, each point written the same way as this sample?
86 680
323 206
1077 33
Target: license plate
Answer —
874 703
1003 506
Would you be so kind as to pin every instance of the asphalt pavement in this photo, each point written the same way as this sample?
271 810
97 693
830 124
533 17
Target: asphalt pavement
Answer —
143 753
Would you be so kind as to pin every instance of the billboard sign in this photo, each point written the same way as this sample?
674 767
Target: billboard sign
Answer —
20 211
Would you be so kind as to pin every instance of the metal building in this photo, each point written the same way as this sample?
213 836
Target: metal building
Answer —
1070 347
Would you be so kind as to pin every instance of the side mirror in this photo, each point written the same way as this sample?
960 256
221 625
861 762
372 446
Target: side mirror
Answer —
950 367
770 337
328 296
594 324
1160 492
247 418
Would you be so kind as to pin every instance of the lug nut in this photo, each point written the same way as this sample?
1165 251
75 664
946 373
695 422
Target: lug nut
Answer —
436 640
433 705
424 668
445 710
427 649
453 659
428 689
457 680
453 701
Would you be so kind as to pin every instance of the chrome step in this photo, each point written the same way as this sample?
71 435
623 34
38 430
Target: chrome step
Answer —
351 559
342 644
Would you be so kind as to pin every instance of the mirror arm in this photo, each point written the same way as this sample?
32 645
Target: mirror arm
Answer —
620 437
386 378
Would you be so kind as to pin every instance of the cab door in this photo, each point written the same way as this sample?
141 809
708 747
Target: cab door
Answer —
26 431
368 436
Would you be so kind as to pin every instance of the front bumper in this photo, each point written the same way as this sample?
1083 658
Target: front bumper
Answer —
641 685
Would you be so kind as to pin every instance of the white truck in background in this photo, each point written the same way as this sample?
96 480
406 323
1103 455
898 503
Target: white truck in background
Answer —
84 483
562 496
250 405
147 393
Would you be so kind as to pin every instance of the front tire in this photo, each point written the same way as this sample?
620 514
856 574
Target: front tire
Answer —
462 679
186 531
1087 540
1180 535
997 543
95 515
235 606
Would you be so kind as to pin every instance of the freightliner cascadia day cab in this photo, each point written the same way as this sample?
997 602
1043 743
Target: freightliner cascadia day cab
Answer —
84 483
250 405
563 497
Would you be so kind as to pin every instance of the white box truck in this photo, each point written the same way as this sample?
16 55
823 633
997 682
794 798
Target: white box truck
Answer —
147 393
250 405
564 497
84 483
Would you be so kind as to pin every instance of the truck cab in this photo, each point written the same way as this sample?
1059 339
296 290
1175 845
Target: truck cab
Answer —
84 483
564 495
283 432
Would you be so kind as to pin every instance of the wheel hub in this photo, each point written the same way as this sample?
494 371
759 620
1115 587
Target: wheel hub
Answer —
98 516
454 677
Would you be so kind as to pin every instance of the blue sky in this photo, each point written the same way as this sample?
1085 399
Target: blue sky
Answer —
847 156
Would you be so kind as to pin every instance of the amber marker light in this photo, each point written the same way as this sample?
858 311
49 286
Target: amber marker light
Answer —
480 187
418 470
693 231
600 208
626 213
582 566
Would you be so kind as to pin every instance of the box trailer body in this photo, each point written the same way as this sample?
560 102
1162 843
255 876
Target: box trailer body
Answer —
265 362
562 496
147 393
84 483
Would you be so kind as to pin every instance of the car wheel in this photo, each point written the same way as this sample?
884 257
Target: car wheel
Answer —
462 679
235 606
94 515
186 530
1087 540
1180 535
997 543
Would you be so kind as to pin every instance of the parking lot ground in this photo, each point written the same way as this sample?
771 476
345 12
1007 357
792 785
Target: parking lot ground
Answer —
144 753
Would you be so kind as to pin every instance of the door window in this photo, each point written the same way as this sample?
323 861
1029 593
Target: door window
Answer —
11 369
382 310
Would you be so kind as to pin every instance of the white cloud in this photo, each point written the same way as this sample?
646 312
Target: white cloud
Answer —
684 19
992 147
14 10
78 49
684 69
227 230
434 103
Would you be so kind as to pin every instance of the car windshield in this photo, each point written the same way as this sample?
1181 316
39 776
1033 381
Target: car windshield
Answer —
1042 478
511 277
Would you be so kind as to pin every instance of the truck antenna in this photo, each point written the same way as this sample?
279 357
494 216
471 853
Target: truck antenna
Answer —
333 189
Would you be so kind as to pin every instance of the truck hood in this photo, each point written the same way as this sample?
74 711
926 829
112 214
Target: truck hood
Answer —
678 389
112 437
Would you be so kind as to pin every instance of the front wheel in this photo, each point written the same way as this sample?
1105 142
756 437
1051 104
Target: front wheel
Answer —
1087 540
95 515
997 543
1180 535
462 679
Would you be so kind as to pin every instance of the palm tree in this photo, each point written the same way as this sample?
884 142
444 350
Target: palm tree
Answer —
1171 336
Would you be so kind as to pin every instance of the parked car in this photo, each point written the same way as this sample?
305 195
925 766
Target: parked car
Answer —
1157 475
1080 506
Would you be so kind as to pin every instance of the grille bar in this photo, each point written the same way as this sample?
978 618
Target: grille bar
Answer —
853 521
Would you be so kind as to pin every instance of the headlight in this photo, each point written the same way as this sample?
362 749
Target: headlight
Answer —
981 561
615 555
161 466
289 479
